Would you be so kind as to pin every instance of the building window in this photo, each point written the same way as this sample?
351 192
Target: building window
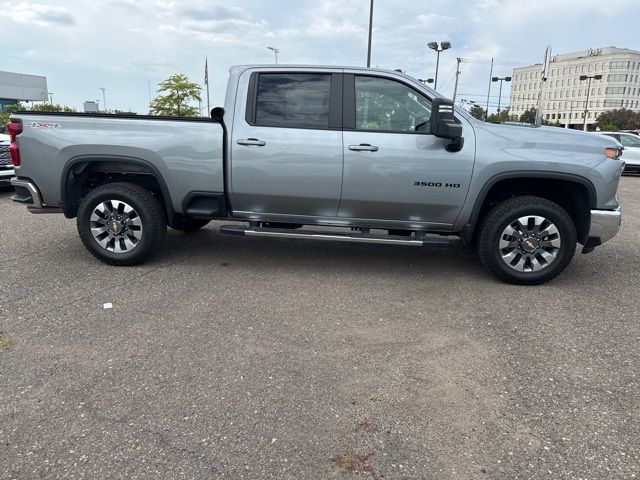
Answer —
617 77
619 64
614 90
612 103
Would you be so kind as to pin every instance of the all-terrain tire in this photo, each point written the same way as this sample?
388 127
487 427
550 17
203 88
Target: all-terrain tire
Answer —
148 219
508 213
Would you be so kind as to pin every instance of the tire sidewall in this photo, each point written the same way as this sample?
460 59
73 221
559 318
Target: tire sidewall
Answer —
150 226
551 212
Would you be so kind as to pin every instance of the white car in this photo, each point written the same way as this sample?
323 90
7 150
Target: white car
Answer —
6 168
631 154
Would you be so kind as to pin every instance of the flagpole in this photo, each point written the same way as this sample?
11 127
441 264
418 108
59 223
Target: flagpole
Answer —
206 73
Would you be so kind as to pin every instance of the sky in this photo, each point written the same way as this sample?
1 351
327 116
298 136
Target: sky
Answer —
127 47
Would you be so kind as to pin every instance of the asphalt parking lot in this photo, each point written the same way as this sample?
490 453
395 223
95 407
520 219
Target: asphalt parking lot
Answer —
246 358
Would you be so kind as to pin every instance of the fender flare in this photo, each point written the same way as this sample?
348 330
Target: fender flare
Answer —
470 226
64 180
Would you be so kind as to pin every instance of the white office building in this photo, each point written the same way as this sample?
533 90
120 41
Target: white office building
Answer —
20 87
564 95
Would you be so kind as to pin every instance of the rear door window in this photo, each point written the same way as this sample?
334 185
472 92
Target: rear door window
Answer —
294 100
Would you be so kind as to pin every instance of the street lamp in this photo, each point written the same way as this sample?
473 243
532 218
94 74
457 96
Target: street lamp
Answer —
586 104
104 98
500 79
425 80
276 51
438 48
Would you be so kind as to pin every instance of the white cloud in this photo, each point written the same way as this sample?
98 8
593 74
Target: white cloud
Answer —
38 14
123 44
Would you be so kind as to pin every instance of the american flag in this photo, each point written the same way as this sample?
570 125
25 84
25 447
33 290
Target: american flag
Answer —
206 72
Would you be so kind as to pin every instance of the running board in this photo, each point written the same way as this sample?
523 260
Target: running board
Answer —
427 240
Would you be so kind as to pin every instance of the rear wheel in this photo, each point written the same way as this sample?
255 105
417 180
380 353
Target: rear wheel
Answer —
121 223
527 240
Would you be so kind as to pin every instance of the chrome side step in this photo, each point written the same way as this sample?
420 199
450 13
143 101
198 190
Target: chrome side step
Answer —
427 240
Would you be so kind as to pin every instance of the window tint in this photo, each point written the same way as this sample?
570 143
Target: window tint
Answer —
387 105
293 100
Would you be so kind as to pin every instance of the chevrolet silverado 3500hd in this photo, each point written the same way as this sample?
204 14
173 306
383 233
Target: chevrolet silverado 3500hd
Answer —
373 151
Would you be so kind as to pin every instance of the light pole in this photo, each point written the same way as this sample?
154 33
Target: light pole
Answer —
500 79
370 31
586 104
104 98
276 51
438 48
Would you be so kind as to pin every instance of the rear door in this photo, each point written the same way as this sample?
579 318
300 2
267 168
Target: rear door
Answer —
286 144
394 169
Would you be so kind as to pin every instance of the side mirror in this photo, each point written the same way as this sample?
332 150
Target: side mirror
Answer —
217 114
445 125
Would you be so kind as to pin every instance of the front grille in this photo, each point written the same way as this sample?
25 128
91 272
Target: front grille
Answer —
5 156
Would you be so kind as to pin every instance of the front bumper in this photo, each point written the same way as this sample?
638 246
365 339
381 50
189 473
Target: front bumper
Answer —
604 226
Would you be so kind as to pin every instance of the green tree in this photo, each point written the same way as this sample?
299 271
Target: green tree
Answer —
175 95
6 113
36 107
529 116
51 107
478 112
500 117
547 123
620 119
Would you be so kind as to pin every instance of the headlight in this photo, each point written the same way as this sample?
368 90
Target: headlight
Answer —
613 152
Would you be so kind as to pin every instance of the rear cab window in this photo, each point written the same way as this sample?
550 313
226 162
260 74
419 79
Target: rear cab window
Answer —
291 100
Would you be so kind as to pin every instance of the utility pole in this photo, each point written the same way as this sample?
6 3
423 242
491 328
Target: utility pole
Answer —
486 112
370 32
543 78
455 88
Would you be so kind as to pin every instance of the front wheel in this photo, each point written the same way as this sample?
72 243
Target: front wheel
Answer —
121 223
527 240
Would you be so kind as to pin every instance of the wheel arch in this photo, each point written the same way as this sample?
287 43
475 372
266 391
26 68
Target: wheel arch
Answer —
132 169
576 194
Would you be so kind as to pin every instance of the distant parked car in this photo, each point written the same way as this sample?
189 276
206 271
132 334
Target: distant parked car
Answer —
6 168
631 154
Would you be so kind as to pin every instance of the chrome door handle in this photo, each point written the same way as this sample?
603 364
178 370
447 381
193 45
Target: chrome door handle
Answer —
253 142
363 147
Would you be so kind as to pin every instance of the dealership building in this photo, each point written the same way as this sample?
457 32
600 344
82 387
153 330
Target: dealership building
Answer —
612 75
19 87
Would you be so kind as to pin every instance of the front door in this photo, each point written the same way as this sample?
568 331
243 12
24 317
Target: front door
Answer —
394 169
286 145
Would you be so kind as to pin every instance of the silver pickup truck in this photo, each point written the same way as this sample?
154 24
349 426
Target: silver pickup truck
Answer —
373 151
